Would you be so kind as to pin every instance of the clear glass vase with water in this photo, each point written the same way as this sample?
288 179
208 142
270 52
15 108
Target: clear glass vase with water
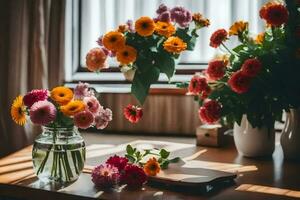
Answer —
58 154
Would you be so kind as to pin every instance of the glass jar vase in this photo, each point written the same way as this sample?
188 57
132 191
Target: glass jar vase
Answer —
58 154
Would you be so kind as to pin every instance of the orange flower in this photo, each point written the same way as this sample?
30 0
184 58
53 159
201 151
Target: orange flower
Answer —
96 59
152 167
145 26
113 40
200 21
238 28
126 55
165 29
260 38
174 45
122 28
61 95
72 108
17 111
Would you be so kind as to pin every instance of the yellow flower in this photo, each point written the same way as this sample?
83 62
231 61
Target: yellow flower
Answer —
61 95
165 29
126 55
152 167
72 108
260 38
238 27
113 40
145 26
17 111
174 45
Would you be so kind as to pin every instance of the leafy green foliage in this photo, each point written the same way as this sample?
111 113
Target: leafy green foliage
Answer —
136 156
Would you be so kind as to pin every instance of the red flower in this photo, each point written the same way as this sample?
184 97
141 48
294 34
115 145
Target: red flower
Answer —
274 14
251 67
133 113
210 112
206 92
218 37
34 96
197 84
239 83
134 176
216 69
118 162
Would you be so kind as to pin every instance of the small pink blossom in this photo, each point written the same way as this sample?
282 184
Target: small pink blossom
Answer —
92 104
84 119
42 113
102 118
105 176
81 91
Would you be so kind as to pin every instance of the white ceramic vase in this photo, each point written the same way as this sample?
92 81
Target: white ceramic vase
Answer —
290 137
253 142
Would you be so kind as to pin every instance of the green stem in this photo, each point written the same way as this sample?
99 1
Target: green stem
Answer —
223 45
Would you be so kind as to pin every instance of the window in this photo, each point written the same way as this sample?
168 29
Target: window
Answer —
88 19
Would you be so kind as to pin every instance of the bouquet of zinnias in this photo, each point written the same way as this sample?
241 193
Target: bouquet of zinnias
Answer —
256 78
61 107
149 46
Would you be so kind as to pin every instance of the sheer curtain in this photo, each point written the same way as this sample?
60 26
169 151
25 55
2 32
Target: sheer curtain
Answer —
31 56
99 17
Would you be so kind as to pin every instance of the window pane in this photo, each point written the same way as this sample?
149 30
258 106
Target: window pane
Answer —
101 16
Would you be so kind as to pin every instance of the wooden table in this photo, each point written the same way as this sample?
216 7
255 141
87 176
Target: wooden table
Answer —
271 178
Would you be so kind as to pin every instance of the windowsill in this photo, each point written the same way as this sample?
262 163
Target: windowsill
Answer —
156 89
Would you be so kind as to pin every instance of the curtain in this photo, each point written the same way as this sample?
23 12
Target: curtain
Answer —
31 56
99 17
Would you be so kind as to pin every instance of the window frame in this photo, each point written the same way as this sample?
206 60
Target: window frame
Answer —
74 72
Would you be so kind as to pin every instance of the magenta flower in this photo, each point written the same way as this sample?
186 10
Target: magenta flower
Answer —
82 90
162 8
129 23
42 113
99 41
105 176
92 104
181 16
34 96
118 162
84 119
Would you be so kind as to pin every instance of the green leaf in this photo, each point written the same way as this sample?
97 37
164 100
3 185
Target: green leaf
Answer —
164 164
129 150
187 38
166 64
164 153
142 82
174 160
130 158
182 85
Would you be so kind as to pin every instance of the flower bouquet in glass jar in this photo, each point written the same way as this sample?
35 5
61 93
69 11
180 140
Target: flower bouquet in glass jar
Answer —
59 152
149 46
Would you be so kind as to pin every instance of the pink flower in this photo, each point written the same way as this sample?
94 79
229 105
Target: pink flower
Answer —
216 69
118 162
251 67
82 90
42 113
84 119
102 118
92 104
181 16
105 176
197 85
164 17
34 96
